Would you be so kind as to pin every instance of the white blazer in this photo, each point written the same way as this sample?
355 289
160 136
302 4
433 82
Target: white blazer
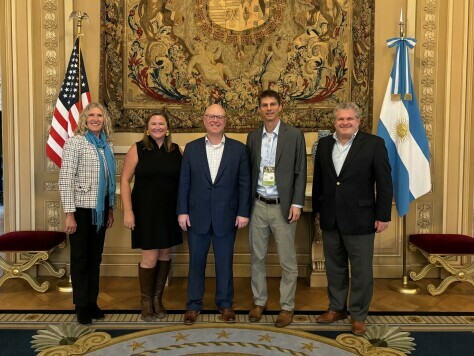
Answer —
79 174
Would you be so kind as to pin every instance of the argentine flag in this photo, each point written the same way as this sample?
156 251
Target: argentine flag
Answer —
402 129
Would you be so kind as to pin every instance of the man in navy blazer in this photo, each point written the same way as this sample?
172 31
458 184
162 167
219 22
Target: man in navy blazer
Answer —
213 202
352 198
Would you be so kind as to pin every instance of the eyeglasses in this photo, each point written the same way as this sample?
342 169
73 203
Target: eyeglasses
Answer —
214 117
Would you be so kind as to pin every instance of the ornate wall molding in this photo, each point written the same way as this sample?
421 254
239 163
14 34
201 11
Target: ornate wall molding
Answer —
424 211
470 104
51 187
424 218
50 66
52 215
428 65
119 163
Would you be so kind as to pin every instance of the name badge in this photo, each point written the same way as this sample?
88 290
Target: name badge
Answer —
268 179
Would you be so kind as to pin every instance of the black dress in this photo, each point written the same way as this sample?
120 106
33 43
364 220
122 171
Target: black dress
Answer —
154 198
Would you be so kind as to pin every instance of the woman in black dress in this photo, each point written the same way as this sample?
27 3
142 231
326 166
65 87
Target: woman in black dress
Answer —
150 210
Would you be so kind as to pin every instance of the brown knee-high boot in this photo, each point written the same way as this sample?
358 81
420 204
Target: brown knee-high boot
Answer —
163 268
146 277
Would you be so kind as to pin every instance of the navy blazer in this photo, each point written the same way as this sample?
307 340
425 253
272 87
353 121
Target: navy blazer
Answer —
361 194
217 203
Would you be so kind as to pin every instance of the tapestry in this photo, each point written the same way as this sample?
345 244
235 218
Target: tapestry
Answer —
187 54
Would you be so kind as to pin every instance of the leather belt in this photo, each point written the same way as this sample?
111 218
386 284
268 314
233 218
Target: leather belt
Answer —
267 200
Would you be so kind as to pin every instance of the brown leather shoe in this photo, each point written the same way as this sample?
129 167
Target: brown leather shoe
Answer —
227 315
190 317
284 318
358 327
331 316
255 313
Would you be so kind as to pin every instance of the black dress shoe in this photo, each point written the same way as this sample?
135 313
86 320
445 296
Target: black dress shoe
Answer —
83 315
95 312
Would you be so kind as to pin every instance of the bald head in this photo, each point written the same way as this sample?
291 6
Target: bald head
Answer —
214 121
215 109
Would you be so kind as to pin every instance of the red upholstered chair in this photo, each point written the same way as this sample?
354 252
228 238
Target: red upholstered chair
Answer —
441 250
33 248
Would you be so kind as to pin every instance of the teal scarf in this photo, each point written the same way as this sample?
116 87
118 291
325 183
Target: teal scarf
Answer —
101 143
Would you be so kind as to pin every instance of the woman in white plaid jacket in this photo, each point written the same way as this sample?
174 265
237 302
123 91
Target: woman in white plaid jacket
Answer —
87 188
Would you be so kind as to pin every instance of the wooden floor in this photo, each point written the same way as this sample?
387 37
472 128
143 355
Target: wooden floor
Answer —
120 293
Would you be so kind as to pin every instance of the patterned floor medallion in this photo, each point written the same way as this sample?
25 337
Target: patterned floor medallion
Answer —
57 333
212 339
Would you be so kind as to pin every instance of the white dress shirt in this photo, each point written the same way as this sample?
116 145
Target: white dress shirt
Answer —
267 158
214 156
340 151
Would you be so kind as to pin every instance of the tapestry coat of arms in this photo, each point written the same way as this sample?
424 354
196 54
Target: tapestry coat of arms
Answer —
187 54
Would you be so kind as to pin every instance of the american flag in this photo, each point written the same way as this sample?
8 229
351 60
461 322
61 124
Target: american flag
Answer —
69 105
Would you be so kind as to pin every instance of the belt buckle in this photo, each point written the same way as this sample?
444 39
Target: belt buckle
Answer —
267 200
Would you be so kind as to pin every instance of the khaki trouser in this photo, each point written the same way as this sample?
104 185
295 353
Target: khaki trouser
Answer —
266 219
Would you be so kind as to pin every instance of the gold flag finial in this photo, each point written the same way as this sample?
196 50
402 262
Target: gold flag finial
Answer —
80 16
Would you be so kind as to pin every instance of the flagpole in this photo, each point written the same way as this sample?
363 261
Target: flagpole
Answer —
80 16
79 35
65 285
404 286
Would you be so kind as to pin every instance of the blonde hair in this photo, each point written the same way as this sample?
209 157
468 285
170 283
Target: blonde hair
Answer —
348 105
168 142
82 123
